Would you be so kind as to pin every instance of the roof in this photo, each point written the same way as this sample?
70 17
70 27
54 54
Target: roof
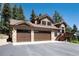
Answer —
58 24
77 33
39 18
18 22
42 26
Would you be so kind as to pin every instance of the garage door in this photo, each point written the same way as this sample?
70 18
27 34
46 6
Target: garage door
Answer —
23 36
42 35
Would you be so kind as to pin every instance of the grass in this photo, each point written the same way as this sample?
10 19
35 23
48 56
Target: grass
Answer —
75 41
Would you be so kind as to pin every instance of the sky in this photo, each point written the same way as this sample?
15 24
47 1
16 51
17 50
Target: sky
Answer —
69 11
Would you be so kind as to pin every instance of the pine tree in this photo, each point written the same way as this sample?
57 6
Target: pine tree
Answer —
14 12
40 14
20 13
57 17
74 28
33 15
68 29
6 13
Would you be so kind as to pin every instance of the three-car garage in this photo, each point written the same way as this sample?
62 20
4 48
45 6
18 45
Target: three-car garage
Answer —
25 35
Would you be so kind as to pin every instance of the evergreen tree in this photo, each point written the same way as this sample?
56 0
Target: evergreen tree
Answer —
40 14
68 29
74 28
20 13
6 13
33 15
14 12
57 17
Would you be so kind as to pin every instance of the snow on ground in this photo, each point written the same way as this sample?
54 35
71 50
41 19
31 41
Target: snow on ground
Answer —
42 49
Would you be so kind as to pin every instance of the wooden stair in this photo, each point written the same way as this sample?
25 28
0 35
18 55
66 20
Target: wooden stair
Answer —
64 36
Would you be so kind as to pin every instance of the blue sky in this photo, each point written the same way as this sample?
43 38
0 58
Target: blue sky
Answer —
69 12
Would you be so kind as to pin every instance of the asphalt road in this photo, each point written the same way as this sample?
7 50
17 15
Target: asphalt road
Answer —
43 49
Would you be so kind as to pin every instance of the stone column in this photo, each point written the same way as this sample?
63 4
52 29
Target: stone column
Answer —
14 35
32 35
53 36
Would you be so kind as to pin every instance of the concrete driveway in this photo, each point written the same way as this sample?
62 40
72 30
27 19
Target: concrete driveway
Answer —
43 49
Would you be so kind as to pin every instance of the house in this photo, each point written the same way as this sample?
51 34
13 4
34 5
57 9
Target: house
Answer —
42 28
76 34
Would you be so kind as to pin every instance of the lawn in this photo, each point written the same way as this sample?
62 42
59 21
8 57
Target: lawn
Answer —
75 41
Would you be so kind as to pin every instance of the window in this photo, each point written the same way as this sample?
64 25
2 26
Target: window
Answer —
43 22
58 30
49 23
23 31
62 29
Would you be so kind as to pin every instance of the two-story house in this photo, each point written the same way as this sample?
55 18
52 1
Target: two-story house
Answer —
42 28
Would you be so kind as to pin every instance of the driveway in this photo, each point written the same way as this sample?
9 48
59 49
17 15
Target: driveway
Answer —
43 49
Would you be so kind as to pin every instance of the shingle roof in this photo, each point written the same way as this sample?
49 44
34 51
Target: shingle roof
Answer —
58 24
42 26
17 22
39 18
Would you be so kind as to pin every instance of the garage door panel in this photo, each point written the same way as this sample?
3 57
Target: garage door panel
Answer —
42 36
23 35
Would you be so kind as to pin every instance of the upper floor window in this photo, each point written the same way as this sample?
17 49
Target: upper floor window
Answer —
43 22
49 23
62 29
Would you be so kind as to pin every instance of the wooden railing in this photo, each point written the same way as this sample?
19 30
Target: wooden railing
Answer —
63 36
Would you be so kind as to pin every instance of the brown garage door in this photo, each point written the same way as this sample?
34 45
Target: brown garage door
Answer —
23 35
42 35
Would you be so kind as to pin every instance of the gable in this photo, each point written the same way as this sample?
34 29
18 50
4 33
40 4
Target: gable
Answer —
62 25
40 18
22 26
46 19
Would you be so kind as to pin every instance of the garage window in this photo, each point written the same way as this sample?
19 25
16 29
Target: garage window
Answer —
23 31
42 32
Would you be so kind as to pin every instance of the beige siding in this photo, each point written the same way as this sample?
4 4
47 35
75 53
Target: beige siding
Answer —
62 25
53 37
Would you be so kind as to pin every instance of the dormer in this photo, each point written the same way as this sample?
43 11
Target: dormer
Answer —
46 22
62 26
35 21
43 20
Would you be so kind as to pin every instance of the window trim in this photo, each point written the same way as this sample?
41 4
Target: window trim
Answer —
49 23
43 22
